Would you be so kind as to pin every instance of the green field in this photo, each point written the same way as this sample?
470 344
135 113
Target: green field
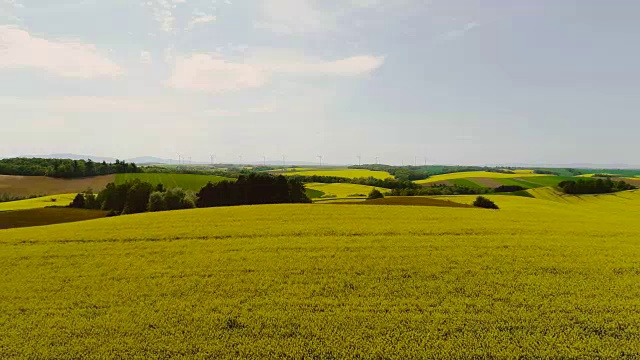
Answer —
342 190
466 183
37 203
536 279
341 172
184 181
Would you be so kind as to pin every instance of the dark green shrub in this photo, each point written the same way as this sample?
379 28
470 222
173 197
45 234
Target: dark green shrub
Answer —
375 194
483 202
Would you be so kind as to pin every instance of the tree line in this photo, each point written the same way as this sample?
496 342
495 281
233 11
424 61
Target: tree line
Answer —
594 186
63 168
138 196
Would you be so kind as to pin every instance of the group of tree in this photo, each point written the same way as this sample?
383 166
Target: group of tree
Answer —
375 194
63 168
546 172
483 202
135 197
594 186
253 189
508 188
138 196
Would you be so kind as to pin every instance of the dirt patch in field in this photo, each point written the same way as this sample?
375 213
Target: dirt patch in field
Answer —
42 185
438 183
47 216
633 182
486 182
410 201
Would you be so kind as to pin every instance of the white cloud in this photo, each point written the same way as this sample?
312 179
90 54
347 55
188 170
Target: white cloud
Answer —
145 57
202 19
294 16
352 66
163 13
316 16
209 73
203 72
69 58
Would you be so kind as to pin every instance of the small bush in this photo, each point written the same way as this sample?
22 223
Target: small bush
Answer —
328 196
357 195
78 202
483 202
375 194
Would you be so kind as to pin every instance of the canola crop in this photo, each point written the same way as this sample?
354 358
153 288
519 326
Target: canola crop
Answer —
538 278
38 203
343 190
474 174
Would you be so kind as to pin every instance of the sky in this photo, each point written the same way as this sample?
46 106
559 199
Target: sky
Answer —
440 81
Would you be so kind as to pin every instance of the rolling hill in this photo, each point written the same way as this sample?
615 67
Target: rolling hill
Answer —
537 278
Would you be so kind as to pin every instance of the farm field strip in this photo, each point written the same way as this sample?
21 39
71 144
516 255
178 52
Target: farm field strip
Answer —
36 203
474 174
470 183
41 185
326 281
343 190
185 181
46 216
344 173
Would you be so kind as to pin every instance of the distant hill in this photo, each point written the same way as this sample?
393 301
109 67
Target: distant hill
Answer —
72 157
142 160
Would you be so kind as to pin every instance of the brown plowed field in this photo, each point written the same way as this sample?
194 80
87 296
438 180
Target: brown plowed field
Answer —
486 182
42 185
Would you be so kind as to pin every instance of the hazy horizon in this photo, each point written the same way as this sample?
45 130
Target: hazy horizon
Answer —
457 82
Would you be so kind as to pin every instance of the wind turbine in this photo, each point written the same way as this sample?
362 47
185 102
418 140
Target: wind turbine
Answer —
284 163
320 157
264 160
359 159
377 160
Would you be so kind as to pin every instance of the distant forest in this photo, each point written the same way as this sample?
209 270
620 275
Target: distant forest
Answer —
594 186
425 171
63 168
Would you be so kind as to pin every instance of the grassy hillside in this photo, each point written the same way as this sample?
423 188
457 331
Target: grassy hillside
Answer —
341 172
342 190
41 185
474 174
37 203
535 279
184 181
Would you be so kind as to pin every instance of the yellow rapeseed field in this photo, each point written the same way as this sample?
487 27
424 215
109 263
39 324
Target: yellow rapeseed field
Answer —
474 174
343 190
38 203
536 279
